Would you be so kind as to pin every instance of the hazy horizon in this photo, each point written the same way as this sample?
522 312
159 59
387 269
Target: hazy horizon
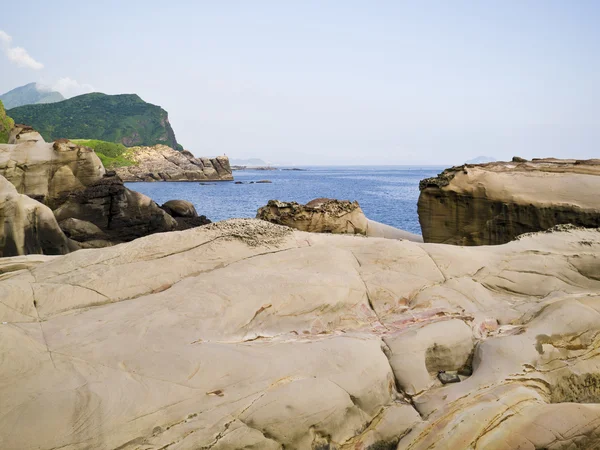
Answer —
336 83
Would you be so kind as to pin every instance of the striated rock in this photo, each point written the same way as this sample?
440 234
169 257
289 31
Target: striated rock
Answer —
245 334
162 163
494 203
121 214
324 215
27 226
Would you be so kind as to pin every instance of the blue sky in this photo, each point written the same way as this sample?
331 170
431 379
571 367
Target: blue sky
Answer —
337 82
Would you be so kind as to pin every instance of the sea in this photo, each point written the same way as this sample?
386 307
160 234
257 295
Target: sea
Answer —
387 194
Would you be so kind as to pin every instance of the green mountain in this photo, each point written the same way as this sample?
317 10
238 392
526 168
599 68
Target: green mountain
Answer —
29 94
6 123
125 119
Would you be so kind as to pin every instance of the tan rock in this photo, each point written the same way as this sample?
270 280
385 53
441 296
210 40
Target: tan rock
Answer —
323 215
493 203
162 163
245 334
27 226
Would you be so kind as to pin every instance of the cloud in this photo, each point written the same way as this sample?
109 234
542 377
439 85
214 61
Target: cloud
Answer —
70 87
18 55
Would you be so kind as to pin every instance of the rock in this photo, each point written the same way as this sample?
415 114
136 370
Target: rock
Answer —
518 159
27 226
47 172
324 215
494 203
239 182
80 230
179 208
264 181
446 377
122 214
245 334
162 163
185 223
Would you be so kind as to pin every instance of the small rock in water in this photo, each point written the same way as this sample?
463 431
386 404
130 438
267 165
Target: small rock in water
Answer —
446 378
239 182
264 181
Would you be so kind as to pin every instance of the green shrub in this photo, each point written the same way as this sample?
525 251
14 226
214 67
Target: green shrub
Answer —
111 154
6 124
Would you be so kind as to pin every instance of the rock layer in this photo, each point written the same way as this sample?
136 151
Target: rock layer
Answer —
493 203
325 215
162 163
244 334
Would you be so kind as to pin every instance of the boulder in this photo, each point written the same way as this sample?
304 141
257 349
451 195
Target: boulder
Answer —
162 163
47 172
324 215
27 226
180 208
493 203
245 334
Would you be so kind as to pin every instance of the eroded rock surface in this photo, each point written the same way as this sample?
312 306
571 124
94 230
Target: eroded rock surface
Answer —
326 215
27 226
162 163
493 203
245 334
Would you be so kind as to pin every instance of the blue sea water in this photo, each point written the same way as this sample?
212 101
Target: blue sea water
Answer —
387 194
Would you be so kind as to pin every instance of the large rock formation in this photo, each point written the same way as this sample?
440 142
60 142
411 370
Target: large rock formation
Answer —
71 180
162 163
494 203
325 215
27 226
244 334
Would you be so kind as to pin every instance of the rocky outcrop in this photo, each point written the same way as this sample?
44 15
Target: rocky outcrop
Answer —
27 226
325 215
494 203
121 214
245 334
162 163
70 179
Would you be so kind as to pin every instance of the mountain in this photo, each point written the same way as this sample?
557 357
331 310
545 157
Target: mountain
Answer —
482 160
29 94
125 119
6 123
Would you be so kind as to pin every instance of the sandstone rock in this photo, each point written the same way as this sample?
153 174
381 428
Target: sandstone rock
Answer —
162 163
47 172
494 203
323 215
180 208
245 334
27 226
80 230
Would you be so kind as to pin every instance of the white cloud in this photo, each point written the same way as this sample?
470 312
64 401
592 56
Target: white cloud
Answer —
18 55
70 87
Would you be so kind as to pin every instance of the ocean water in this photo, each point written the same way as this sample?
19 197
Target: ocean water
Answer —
387 194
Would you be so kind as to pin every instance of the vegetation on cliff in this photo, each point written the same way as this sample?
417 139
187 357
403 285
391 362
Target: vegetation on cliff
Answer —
6 123
111 154
125 119
30 94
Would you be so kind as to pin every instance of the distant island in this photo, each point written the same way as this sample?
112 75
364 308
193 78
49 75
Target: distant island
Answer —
30 94
482 160
124 119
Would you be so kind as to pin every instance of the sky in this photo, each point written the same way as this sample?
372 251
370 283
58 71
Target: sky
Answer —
331 82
